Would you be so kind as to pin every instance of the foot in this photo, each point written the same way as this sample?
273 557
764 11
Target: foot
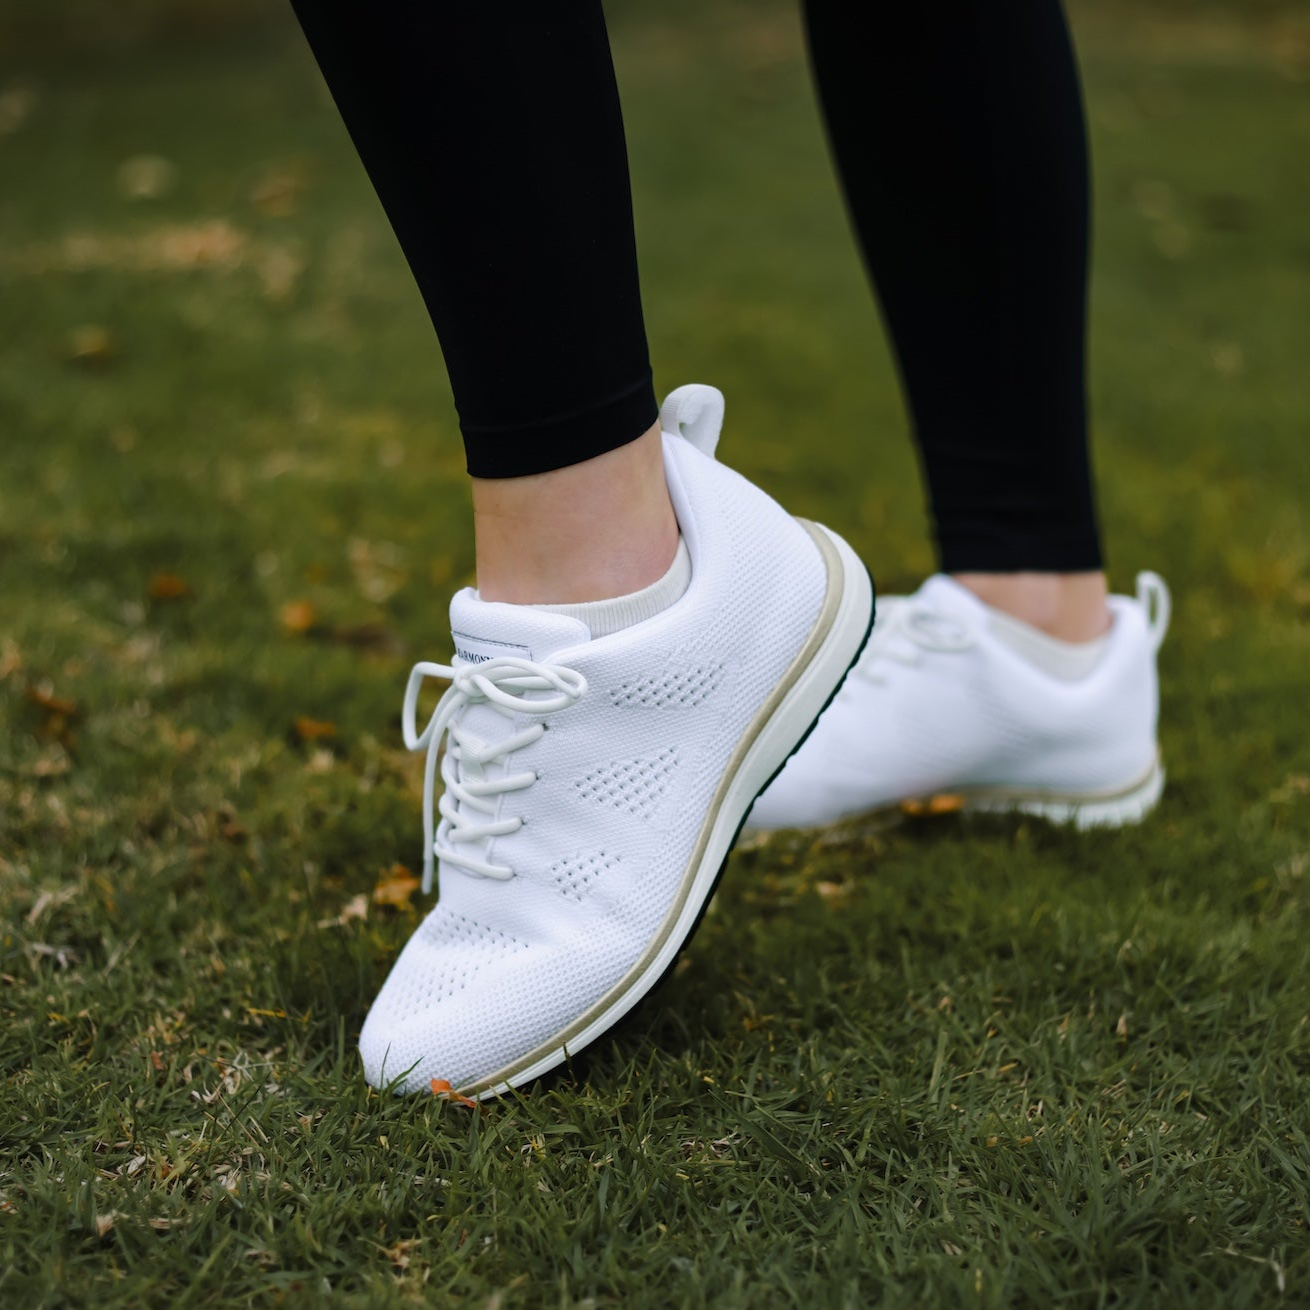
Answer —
953 700
593 788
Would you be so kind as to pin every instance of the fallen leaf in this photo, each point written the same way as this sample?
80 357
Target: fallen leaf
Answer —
168 586
59 714
297 616
308 729
399 1253
355 908
54 763
441 1088
44 696
90 345
228 826
395 886
831 891
944 803
277 192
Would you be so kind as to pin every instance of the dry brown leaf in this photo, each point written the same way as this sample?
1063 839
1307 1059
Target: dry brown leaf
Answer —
308 729
395 886
399 1253
297 616
44 696
168 586
277 192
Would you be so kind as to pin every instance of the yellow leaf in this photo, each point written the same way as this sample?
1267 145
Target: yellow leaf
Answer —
395 886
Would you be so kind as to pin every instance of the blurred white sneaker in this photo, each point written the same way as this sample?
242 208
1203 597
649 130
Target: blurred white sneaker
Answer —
954 705
593 788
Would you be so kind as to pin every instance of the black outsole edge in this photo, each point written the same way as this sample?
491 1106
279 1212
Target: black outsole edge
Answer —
567 1062
805 736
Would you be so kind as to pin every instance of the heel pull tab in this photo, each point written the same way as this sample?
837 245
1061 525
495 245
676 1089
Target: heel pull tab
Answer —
1154 597
695 412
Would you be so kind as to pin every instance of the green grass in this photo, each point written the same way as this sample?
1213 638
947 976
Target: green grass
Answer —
987 1064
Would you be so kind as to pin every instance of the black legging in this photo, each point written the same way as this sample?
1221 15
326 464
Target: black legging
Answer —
494 138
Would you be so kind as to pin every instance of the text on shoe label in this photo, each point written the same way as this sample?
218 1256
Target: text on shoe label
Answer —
478 650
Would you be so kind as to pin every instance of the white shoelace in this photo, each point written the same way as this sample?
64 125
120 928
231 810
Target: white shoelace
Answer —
504 683
905 627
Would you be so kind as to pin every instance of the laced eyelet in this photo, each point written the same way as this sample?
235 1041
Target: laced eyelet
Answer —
504 684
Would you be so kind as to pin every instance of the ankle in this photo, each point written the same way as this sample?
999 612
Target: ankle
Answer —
1068 606
588 532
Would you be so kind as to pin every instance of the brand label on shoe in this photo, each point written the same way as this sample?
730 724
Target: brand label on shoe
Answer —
478 650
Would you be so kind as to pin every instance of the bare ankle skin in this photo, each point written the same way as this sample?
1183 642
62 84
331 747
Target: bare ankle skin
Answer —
1070 606
590 531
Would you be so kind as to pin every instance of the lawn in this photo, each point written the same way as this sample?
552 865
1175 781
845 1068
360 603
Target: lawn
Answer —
938 1064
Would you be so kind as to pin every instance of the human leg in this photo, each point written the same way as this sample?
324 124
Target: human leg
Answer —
959 136
594 776
495 143
1014 679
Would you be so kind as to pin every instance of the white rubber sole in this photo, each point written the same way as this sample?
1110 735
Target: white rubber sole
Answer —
1113 808
779 727
1107 809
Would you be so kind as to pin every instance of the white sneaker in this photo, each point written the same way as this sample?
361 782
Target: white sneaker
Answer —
595 787
942 706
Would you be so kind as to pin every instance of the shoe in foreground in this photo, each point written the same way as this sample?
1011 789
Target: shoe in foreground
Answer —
593 788
940 706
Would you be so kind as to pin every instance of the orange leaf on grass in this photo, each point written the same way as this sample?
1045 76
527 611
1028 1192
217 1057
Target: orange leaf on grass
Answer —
47 700
297 616
395 886
308 729
945 803
168 586
442 1088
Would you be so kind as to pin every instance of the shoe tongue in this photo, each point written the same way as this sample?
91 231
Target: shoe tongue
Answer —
946 596
485 629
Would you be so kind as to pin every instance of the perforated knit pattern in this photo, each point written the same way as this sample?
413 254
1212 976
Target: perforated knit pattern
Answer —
621 796
575 877
463 949
635 786
671 689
